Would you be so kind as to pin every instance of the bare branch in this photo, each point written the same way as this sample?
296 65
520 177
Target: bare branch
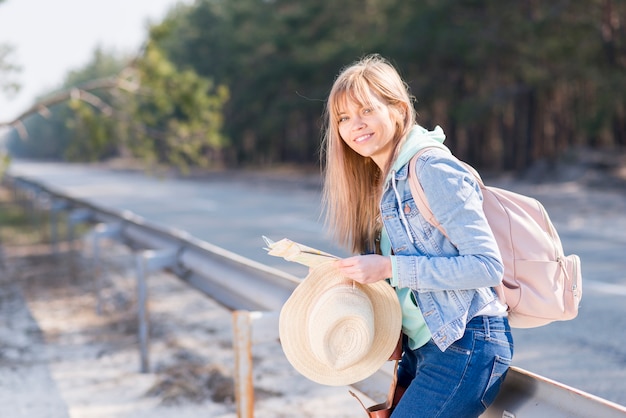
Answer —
81 93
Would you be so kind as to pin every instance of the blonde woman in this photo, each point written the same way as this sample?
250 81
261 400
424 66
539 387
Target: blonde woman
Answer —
457 343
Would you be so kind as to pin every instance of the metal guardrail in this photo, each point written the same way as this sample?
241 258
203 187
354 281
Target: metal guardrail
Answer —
255 293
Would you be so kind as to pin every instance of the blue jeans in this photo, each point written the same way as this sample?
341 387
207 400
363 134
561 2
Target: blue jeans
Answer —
461 381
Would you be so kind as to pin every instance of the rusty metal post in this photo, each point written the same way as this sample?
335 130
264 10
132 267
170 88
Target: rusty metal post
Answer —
242 344
249 328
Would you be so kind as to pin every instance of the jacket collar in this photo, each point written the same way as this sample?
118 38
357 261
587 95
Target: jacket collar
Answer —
417 139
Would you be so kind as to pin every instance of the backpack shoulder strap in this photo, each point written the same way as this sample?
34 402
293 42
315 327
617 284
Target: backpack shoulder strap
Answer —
420 197
473 171
418 194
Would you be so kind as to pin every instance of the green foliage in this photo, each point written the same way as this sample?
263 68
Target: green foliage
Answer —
47 137
5 160
16 226
166 116
181 120
244 82
475 65
93 135
70 129
22 224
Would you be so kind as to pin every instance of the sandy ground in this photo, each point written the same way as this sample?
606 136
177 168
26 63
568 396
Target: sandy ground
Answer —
59 358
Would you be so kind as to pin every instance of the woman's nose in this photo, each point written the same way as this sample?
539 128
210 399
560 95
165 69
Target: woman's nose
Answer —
357 123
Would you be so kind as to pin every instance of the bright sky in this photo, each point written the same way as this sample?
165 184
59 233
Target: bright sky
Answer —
52 37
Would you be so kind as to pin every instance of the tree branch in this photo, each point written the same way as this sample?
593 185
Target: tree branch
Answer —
81 92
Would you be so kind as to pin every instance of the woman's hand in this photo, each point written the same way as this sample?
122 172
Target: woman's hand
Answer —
365 269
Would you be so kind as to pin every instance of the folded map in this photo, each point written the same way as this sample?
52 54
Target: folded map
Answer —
298 253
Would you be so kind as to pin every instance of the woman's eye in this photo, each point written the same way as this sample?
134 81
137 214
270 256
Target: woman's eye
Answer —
343 119
367 110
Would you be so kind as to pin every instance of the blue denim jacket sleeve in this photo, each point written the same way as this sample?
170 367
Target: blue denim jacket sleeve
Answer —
470 258
451 278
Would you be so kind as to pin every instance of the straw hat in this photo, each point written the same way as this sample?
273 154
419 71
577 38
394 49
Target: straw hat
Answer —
336 331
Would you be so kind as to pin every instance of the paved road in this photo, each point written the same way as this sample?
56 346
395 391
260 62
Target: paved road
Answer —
234 210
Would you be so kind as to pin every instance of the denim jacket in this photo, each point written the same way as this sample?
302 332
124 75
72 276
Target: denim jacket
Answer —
451 279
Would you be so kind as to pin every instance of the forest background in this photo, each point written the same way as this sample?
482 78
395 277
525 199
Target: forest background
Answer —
222 84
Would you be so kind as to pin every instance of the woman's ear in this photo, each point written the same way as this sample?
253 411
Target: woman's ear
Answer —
402 111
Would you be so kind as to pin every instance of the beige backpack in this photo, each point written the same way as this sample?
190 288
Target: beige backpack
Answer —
540 284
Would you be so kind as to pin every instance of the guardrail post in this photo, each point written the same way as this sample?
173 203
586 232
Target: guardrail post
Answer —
77 216
148 261
33 203
100 231
249 328
56 207
74 217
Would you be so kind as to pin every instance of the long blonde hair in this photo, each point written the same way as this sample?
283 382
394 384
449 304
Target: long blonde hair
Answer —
353 183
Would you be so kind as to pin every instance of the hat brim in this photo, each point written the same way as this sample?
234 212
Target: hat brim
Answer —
293 327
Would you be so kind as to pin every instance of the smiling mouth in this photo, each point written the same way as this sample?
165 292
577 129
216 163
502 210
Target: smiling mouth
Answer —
362 138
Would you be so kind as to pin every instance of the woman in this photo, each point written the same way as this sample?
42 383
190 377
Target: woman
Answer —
456 338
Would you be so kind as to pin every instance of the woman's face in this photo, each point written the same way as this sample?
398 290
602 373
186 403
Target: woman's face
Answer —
368 129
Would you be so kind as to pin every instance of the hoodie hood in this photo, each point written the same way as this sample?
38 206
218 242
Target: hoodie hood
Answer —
418 139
